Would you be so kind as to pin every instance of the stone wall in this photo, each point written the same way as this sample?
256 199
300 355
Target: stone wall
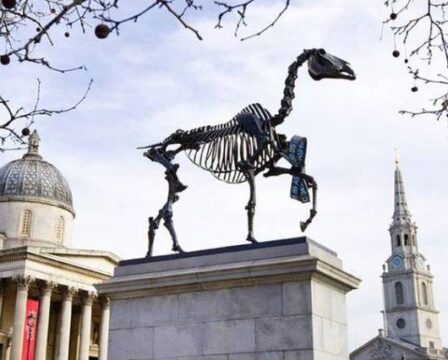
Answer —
292 314
43 223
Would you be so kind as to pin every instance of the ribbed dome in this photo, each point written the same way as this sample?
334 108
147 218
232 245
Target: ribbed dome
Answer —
33 179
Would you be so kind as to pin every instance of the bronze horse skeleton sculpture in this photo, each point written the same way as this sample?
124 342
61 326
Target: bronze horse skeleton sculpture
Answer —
240 149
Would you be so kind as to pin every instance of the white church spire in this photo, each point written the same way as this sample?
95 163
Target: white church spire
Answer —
401 210
410 314
403 230
409 310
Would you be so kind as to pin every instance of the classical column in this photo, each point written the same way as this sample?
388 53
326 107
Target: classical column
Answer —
23 283
44 317
64 324
86 324
104 329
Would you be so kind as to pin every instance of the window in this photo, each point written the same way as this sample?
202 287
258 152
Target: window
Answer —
398 240
406 240
424 294
25 225
431 345
399 293
60 229
401 323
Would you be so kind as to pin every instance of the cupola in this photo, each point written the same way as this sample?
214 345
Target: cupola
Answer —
35 201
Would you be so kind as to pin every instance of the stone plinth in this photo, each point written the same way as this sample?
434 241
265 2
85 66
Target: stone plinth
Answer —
278 300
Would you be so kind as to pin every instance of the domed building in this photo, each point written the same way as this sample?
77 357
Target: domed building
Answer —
49 308
36 205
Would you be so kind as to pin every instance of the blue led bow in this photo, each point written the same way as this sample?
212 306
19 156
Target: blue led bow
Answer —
296 157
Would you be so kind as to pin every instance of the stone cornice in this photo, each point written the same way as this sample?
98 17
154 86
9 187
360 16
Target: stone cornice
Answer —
238 274
400 309
409 272
22 254
61 251
37 200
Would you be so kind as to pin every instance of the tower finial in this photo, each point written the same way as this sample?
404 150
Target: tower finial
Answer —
397 157
33 144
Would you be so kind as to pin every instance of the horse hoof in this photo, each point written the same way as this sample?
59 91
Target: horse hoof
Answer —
251 239
303 226
178 249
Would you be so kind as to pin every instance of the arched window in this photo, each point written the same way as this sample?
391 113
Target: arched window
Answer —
406 240
424 293
60 229
25 224
398 240
399 293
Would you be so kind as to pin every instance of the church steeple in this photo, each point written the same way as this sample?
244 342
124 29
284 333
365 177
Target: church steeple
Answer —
401 211
409 309
403 230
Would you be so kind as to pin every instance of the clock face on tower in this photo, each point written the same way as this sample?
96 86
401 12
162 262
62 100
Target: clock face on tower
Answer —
397 262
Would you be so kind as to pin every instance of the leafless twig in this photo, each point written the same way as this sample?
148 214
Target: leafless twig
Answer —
19 117
27 24
429 18
241 10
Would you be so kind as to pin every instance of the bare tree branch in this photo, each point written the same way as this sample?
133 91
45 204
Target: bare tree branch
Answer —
179 17
27 24
16 117
280 14
428 51
19 17
241 10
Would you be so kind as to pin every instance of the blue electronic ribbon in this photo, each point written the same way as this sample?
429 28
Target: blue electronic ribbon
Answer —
296 157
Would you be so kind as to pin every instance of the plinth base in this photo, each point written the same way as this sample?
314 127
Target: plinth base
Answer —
279 300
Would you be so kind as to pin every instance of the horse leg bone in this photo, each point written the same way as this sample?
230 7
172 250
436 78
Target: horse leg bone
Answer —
153 226
248 170
174 187
312 183
167 215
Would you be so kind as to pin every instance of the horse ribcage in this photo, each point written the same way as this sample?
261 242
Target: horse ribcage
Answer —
223 147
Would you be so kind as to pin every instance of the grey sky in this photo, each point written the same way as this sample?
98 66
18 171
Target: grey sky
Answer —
157 78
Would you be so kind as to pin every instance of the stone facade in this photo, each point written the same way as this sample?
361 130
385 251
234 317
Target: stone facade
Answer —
44 220
70 316
283 300
49 308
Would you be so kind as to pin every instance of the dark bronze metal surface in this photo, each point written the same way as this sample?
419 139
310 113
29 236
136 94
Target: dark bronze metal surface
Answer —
240 149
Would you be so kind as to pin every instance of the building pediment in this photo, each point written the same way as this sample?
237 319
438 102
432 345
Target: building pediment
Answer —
92 259
383 348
